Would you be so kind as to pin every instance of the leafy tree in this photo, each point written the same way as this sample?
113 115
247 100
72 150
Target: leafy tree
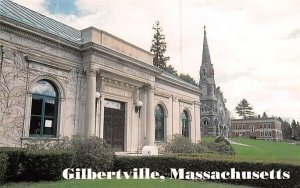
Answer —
171 70
244 109
188 78
159 47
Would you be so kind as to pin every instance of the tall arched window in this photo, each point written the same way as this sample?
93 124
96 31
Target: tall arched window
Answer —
185 124
44 109
159 124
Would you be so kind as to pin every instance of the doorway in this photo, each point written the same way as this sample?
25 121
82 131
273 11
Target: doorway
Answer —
114 123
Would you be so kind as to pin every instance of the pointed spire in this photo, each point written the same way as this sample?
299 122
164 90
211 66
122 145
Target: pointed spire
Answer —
205 52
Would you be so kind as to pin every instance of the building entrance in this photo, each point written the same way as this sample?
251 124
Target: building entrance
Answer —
114 123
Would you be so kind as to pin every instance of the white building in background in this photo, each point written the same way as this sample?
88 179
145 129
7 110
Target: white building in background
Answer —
58 81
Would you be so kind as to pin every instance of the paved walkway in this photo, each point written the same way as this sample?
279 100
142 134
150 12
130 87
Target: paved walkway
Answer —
236 143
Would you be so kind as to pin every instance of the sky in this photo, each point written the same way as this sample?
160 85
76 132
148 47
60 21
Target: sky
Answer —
254 44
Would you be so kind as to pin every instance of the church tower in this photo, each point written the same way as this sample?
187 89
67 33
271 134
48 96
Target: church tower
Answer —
213 111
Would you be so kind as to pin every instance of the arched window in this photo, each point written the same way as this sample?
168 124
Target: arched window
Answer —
205 122
159 123
44 109
185 124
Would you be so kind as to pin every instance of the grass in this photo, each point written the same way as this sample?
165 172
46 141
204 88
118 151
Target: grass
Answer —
123 183
281 152
262 151
208 138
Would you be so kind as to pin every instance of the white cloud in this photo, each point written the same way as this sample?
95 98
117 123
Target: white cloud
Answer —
254 45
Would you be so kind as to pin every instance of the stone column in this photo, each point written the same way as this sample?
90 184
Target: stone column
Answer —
150 126
90 102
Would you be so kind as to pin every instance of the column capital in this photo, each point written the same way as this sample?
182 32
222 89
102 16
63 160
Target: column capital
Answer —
150 88
91 70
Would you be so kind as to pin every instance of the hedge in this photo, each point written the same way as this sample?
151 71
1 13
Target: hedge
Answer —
14 163
163 165
26 165
3 166
45 165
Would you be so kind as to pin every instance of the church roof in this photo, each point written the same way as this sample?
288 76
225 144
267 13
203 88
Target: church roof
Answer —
205 52
11 10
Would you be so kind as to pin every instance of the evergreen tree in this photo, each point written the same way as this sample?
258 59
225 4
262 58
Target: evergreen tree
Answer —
244 109
159 47
286 129
295 128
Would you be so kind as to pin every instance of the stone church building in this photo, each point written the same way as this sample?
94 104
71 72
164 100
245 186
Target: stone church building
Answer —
57 81
215 118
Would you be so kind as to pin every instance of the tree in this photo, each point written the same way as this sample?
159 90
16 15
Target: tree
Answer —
264 115
295 130
159 47
244 109
286 129
188 78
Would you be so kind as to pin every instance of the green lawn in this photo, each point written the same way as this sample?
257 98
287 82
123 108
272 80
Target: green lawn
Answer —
121 184
268 151
282 152
208 138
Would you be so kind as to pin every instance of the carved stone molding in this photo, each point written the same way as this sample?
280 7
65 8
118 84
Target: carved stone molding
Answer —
112 64
185 105
162 99
117 91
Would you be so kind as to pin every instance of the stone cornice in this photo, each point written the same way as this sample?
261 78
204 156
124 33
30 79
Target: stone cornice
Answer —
102 51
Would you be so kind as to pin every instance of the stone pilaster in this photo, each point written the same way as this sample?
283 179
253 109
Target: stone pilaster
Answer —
150 126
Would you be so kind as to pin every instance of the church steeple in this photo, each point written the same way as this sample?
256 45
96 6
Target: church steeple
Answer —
207 68
205 52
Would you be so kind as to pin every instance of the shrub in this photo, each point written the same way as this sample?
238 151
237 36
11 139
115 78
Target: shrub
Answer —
222 139
180 144
220 146
3 166
91 152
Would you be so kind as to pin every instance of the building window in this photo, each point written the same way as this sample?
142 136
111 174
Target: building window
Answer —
159 124
185 124
205 122
261 134
270 134
253 128
44 109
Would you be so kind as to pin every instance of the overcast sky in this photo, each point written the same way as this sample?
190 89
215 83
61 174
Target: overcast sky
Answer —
254 45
